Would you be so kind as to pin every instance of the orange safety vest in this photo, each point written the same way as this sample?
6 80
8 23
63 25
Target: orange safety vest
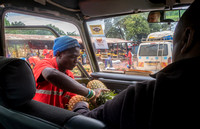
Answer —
33 60
47 92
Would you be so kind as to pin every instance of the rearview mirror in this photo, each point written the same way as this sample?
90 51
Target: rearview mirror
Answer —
165 16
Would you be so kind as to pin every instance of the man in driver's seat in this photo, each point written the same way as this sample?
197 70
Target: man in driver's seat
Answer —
171 100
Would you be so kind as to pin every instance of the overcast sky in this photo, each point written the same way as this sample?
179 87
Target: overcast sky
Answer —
33 20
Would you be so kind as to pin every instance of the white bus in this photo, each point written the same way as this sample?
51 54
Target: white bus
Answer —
155 55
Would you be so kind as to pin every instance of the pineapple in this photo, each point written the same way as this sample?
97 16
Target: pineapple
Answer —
75 99
105 96
94 84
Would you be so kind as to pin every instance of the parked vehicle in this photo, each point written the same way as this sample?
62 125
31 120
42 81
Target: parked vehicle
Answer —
156 53
154 56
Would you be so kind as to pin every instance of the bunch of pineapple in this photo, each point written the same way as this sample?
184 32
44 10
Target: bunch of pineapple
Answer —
75 99
94 84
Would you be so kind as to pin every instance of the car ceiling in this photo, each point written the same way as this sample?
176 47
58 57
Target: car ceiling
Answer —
95 8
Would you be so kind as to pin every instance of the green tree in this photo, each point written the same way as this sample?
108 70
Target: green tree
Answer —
6 22
72 33
60 32
114 27
17 23
136 27
133 27
155 27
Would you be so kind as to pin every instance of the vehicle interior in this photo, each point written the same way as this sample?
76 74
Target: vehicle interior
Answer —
106 30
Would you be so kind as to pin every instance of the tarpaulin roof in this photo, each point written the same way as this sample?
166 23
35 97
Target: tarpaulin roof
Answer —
164 35
51 37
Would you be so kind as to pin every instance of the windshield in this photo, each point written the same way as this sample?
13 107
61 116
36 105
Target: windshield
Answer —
116 41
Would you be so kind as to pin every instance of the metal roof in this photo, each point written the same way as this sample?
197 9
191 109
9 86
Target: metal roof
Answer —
21 37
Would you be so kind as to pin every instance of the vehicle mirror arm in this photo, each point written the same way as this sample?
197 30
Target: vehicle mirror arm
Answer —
170 3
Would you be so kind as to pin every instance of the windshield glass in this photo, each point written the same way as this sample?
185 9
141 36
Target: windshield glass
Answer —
116 42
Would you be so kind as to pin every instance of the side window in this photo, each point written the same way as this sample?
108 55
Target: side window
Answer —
31 38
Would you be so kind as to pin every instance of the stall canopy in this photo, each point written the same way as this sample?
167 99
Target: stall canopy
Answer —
39 41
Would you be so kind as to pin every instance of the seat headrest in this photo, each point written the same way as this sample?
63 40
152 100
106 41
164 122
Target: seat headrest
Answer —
17 83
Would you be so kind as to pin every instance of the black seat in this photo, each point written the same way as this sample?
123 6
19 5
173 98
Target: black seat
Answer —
19 111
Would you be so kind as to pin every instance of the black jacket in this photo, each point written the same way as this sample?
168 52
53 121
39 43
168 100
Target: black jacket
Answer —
170 101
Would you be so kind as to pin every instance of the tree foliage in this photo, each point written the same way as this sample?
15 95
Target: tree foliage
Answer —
132 27
6 22
136 27
33 31
114 28
17 23
72 33
60 32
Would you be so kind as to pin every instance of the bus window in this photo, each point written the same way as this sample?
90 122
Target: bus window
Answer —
153 50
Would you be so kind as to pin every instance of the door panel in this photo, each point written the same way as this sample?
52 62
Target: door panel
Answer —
119 82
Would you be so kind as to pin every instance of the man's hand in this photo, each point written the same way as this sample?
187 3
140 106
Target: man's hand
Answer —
97 94
83 103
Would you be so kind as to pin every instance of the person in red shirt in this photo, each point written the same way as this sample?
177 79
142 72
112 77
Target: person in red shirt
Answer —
33 60
50 55
54 81
129 59
45 52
